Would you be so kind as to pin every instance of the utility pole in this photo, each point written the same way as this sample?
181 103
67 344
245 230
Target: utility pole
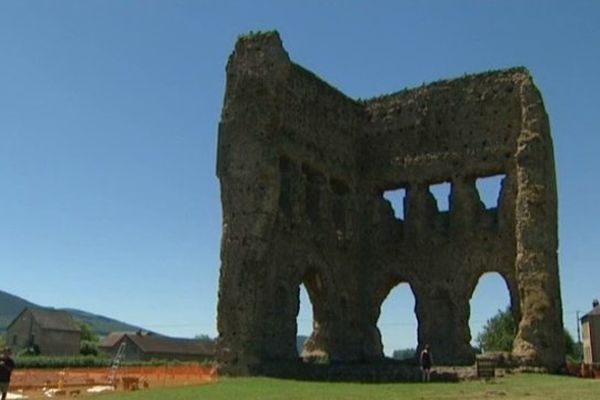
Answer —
578 328
579 344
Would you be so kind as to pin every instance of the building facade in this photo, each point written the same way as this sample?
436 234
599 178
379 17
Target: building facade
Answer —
45 331
590 331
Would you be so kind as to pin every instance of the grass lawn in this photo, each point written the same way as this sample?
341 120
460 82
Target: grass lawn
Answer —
522 386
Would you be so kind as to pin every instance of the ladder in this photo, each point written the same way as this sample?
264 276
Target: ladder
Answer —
116 363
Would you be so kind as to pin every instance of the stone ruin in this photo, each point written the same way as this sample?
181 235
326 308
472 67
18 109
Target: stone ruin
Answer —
303 169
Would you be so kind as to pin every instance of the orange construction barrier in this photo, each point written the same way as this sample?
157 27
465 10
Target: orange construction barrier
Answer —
77 380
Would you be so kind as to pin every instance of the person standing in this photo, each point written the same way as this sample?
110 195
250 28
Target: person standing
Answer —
6 367
426 360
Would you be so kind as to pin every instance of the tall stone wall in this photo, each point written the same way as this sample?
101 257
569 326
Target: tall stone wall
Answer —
303 170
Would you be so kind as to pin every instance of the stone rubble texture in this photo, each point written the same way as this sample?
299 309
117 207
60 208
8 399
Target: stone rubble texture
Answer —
303 169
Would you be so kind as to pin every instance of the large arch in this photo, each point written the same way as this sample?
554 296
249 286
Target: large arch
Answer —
397 322
315 346
491 294
304 320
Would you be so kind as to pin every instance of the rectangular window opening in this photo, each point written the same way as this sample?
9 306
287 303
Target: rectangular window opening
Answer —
441 192
489 189
396 198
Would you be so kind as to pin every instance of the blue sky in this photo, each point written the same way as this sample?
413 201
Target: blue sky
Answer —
108 125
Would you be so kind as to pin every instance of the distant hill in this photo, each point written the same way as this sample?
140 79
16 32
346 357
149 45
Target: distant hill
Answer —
11 306
300 340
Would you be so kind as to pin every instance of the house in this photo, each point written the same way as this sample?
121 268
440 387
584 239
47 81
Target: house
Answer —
590 331
147 346
50 332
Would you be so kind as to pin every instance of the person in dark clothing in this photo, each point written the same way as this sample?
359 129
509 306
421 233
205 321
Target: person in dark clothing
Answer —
426 360
6 367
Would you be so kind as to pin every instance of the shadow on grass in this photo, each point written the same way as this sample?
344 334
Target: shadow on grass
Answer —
385 371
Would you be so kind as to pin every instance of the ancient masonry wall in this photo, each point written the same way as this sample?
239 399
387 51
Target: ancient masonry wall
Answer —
303 169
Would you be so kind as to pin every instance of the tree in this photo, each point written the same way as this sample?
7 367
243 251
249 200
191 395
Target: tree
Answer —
405 354
87 334
500 331
204 339
574 349
89 340
88 348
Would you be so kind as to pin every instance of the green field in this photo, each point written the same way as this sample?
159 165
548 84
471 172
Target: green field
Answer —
522 386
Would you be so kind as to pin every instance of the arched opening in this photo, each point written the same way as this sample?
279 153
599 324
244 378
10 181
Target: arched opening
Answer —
311 299
304 320
398 324
492 322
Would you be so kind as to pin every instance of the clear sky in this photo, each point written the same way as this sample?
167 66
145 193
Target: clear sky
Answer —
108 125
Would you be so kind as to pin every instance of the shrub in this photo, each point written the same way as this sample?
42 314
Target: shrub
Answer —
88 348
25 361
